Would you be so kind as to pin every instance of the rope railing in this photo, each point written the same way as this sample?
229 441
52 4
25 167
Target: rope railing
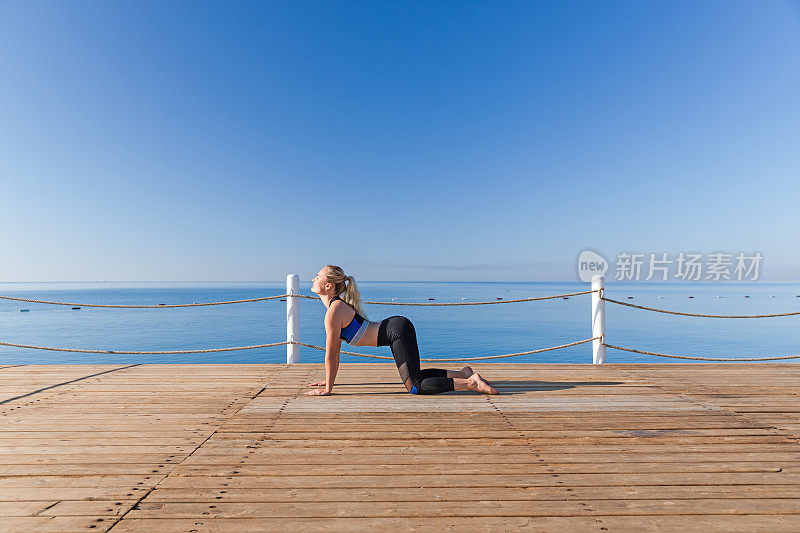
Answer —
159 306
263 298
696 358
269 345
489 302
602 298
450 304
773 315
161 352
481 358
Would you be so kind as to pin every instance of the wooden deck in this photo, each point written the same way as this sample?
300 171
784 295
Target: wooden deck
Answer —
239 448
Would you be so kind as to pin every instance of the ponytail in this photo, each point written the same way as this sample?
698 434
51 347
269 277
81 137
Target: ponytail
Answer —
352 296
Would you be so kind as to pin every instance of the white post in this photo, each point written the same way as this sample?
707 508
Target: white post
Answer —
598 320
292 318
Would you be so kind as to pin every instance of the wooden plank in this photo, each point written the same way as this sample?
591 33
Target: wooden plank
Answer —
478 480
719 445
477 508
50 524
23 508
431 469
132 482
337 457
414 494
23 494
692 523
82 458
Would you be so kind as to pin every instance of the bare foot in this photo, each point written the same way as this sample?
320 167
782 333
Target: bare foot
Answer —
466 372
477 383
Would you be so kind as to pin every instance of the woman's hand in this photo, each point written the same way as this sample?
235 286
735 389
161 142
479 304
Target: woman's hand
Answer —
318 384
318 392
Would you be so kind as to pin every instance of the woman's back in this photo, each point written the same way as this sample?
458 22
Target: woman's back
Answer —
355 329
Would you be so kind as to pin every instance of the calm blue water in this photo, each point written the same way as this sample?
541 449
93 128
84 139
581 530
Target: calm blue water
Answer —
442 332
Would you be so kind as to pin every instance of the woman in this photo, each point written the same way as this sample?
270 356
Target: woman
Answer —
345 320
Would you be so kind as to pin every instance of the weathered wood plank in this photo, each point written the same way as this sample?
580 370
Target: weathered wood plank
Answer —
389 494
699 523
431 469
477 508
478 480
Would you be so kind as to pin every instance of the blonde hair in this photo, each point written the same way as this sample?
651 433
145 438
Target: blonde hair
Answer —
347 285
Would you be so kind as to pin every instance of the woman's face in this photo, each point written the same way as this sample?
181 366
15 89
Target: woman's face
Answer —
320 283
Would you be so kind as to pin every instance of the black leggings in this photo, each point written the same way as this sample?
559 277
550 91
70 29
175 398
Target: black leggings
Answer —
398 332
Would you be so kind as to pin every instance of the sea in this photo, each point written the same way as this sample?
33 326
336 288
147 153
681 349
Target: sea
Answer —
446 332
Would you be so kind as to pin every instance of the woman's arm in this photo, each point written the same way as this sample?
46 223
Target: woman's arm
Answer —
332 346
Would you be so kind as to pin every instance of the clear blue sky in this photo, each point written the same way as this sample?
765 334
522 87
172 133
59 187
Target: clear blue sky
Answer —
401 140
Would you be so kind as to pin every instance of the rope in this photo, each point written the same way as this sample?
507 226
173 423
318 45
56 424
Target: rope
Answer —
540 350
160 306
488 302
697 314
702 358
234 348
272 344
166 352
164 306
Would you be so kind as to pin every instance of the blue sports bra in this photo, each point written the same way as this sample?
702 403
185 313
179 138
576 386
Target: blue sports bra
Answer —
353 332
